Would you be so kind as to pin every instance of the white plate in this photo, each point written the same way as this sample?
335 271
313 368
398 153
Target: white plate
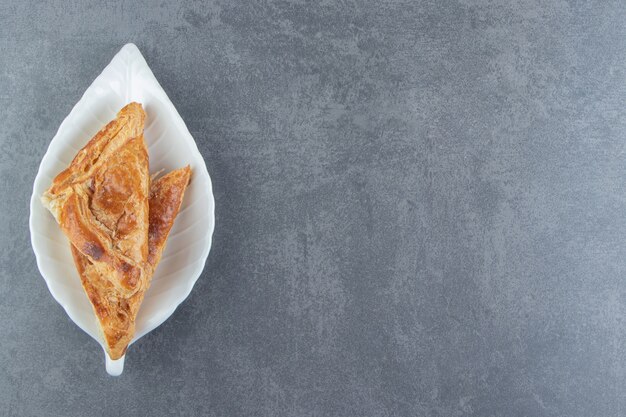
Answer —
170 145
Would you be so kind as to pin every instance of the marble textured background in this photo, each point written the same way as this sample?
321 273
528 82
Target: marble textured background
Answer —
421 208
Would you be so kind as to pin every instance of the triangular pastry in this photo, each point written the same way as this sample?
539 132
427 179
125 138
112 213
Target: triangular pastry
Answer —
116 314
101 201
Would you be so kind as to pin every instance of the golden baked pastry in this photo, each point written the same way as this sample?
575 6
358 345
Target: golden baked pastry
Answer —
117 221
101 201
116 314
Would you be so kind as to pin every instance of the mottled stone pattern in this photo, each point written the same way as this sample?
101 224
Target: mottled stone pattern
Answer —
421 208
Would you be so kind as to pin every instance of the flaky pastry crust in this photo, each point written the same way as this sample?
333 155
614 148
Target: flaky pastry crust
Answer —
101 200
117 314
116 220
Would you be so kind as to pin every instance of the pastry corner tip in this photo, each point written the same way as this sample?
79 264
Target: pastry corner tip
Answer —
133 108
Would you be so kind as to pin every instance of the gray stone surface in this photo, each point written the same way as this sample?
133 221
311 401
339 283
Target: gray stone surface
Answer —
421 208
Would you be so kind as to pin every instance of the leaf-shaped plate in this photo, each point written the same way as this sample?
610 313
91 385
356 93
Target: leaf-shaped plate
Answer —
170 145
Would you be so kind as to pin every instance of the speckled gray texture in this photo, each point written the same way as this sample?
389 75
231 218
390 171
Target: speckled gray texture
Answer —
421 208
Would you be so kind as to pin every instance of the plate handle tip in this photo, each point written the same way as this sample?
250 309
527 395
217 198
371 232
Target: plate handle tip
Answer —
114 367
